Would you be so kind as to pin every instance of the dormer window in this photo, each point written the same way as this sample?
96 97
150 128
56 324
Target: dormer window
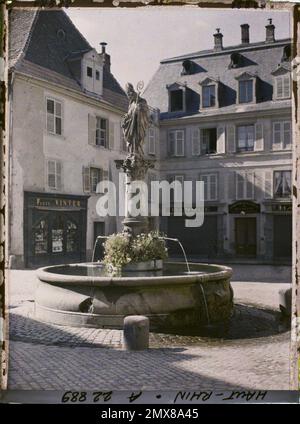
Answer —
283 87
210 89
92 72
209 96
177 97
282 82
187 67
246 91
89 71
246 88
287 53
235 60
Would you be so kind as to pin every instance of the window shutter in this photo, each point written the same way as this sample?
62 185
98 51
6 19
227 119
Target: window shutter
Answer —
239 186
279 87
287 134
86 181
51 180
180 143
196 147
276 136
220 140
231 185
58 175
151 140
250 185
92 129
268 185
111 134
171 143
231 138
286 86
259 137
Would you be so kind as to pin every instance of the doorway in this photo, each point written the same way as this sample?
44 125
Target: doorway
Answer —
245 236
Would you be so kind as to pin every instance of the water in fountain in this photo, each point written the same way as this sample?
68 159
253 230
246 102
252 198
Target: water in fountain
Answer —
95 245
183 251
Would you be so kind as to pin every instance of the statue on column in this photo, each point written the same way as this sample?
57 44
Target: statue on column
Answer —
136 121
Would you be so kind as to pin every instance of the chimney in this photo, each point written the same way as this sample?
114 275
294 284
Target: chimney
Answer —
218 40
245 34
270 32
105 56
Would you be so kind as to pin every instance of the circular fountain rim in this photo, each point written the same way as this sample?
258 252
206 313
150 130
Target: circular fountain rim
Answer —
50 277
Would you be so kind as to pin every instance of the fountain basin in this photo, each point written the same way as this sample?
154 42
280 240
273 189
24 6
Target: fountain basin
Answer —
83 295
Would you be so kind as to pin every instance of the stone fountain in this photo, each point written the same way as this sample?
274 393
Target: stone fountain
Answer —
171 294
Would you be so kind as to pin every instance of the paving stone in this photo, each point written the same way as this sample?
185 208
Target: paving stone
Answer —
253 354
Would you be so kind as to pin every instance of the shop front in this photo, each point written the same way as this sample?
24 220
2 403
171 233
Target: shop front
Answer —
54 228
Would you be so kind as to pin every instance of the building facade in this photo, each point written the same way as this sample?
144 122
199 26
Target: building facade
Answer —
64 135
225 119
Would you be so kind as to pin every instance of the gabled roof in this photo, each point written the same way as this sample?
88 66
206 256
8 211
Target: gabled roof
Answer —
43 44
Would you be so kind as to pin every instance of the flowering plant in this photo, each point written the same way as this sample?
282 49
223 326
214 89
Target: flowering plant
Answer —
120 249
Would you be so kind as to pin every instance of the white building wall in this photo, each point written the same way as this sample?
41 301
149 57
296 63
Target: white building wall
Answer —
32 145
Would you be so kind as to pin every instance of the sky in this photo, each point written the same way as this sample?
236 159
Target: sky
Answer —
139 38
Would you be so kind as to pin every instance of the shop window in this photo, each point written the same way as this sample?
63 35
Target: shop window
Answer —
282 183
41 237
57 235
72 237
54 117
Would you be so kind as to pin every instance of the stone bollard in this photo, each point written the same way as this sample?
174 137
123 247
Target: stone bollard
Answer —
285 301
136 332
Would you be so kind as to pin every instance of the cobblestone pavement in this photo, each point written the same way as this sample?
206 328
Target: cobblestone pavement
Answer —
253 353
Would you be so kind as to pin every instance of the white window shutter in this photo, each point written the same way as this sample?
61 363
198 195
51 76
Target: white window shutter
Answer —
268 185
171 143
86 180
196 147
58 175
111 134
231 181
92 129
279 87
276 136
231 139
220 140
239 185
286 86
259 137
180 143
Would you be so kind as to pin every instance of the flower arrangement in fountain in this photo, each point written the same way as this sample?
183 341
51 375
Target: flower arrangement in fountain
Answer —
121 249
